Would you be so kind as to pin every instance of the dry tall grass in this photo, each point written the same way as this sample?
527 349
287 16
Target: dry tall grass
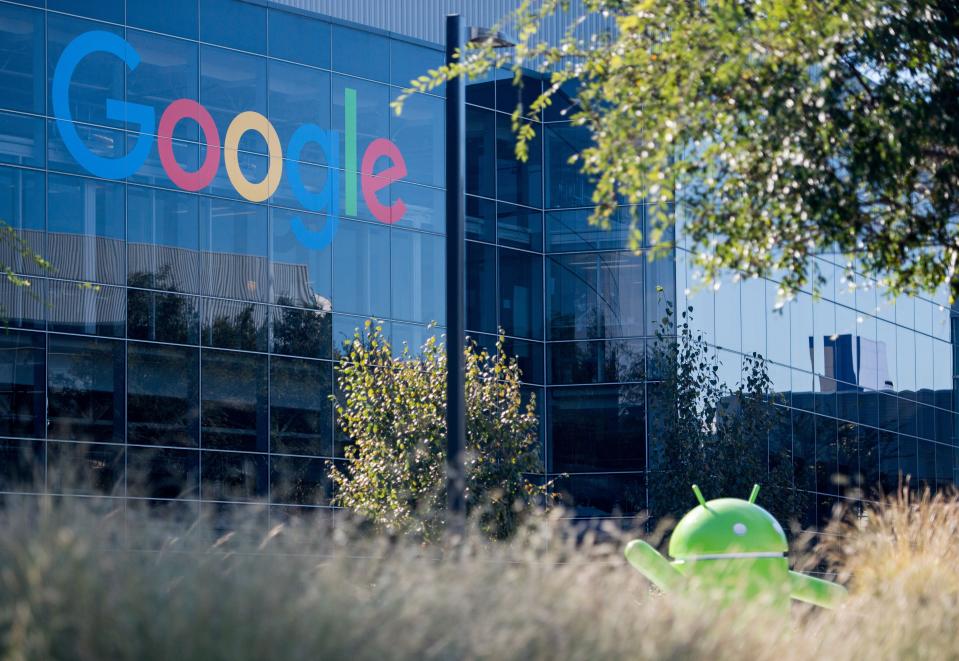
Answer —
72 586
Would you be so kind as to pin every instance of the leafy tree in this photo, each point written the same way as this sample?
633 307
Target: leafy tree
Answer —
393 410
785 128
704 432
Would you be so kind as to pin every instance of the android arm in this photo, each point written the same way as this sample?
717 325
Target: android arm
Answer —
815 590
653 566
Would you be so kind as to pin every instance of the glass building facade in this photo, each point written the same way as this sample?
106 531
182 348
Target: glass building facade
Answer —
226 195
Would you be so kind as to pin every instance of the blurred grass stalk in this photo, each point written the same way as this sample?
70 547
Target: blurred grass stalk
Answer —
99 578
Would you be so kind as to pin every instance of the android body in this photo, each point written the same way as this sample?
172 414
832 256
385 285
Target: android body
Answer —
735 549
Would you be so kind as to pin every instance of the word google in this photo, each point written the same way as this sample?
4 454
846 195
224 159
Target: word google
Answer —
186 109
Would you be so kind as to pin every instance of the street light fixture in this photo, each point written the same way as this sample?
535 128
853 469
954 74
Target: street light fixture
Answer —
456 269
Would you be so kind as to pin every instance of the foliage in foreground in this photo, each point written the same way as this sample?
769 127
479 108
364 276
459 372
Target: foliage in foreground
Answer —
786 128
705 432
78 582
393 410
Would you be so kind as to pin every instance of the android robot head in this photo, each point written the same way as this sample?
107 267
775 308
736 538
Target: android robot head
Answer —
727 528
735 549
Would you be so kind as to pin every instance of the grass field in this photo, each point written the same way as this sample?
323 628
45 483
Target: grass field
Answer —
73 585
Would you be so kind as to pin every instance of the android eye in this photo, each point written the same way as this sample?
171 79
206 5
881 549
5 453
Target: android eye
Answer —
739 529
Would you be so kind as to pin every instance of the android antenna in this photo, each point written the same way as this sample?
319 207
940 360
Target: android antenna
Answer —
699 495
752 496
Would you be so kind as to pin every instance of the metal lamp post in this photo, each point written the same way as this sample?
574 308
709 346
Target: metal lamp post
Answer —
456 270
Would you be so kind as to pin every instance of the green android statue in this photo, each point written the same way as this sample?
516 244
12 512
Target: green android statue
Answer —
735 547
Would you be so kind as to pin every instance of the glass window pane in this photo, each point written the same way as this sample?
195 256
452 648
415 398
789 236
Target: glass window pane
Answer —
163 240
418 265
518 181
566 186
231 83
234 325
299 95
306 333
728 316
596 362
234 401
361 53
86 229
481 287
521 293
597 428
22 140
163 473
508 93
361 273
23 205
299 481
98 77
302 276
480 219
22 385
76 308
410 61
570 231
85 385
86 468
299 38
22 43
233 23
419 132
177 17
233 476
602 495
163 317
480 152
23 306
167 72
103 10
425 206
519 227
595 295
372 118
530 357
163 396
22 465
234 238
301 419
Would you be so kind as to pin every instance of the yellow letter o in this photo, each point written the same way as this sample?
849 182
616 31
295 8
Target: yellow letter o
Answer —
253 121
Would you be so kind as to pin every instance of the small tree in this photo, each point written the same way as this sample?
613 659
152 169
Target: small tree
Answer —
707 433
393 410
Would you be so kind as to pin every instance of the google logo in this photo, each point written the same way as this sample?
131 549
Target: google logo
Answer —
255 191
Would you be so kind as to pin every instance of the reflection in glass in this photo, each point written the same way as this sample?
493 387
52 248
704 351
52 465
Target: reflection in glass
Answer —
419 132
162 317
85 225
23 197
85 468
22 465
299 38
234 401
299 95
597 428
74 308
595 295
361 53
481 287
85 386
233 476
234 325
301 413
163 395
596 362
519 227
361 269
306 333
22 140
235 240
162 473
299 481
22 384
162 240
234 24
521 293
480 152
168 70
566 186
231 83
417 268
21 51
518 181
